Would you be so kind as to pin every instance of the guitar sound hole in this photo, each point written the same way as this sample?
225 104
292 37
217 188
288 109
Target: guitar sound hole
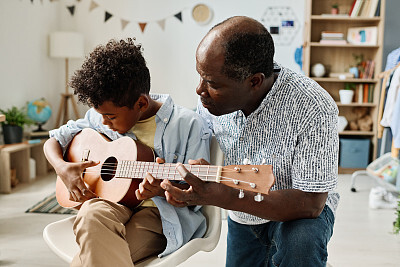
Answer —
108 168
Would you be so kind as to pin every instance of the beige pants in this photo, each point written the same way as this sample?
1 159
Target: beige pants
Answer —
110 234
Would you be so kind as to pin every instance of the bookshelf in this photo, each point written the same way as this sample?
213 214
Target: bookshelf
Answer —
339 57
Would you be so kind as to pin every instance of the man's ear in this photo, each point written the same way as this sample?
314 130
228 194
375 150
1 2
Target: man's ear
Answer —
142 103
257 80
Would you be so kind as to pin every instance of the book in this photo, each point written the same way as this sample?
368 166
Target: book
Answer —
361 9
365 93
373 8
362 35
378 9
366 8
333 42
341 75
352 7
330 34
360 93
371 93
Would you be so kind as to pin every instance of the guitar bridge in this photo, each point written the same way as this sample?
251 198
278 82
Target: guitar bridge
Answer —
85 155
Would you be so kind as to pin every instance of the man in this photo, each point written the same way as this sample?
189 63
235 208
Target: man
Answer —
115 81
268 114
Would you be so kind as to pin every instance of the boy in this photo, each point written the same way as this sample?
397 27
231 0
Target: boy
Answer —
115 81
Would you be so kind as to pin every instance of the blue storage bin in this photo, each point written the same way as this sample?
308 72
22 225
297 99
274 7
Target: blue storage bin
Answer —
354 153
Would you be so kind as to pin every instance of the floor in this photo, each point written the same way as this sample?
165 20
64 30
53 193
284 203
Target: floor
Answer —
362 237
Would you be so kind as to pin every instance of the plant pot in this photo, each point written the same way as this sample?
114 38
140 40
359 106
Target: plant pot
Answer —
12 134
346 96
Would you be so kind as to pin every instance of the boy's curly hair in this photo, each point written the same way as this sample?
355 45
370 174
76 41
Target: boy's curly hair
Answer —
115 72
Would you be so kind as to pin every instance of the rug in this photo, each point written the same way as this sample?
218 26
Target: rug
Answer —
50 205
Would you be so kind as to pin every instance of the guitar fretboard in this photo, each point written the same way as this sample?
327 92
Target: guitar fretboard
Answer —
138 169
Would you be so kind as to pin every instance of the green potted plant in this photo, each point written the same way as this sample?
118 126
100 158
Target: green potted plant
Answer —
396 224
13 126
346 94
335 9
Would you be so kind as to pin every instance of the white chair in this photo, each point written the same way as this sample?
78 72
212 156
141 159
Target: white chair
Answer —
61 240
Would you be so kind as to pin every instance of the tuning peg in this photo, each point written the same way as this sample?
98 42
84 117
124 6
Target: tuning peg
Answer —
246 161
241 193
258 197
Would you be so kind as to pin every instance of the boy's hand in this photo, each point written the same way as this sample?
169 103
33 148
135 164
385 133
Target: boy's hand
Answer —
150 186
71 174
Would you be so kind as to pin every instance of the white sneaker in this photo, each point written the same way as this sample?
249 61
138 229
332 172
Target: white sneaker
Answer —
380 198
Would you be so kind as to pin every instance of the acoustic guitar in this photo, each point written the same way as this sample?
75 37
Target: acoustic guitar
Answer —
124 162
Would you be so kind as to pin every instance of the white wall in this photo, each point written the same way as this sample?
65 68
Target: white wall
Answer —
28 73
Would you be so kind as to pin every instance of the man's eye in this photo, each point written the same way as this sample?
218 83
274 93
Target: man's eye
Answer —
212 85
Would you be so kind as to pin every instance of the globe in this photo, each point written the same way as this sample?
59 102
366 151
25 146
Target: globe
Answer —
39 111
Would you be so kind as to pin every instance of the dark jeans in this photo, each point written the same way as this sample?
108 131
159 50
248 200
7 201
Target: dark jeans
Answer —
295 243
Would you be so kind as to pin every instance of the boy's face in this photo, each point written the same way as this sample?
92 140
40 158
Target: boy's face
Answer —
119 119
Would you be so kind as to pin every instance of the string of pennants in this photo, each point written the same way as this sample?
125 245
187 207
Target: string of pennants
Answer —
124 22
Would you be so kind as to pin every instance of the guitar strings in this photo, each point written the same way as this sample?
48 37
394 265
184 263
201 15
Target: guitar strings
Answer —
224 169
204 176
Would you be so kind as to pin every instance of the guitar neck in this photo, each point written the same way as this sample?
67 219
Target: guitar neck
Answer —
138 169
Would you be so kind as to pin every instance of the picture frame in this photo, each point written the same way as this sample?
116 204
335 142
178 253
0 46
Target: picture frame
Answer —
362 35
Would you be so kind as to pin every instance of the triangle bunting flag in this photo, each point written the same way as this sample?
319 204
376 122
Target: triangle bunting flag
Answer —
71 10
178 16
124 23
142 25
161 23
93 5
107 16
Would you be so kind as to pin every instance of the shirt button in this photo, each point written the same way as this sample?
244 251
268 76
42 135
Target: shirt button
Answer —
241 139
166 119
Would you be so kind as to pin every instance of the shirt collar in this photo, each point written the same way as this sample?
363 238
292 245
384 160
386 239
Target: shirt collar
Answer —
164 113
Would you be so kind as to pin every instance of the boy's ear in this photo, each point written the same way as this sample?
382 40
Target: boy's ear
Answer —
142 102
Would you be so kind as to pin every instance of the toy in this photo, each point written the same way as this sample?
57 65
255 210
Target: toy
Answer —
363 121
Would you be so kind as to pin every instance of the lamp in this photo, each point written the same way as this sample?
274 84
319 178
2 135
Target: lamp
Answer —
66 45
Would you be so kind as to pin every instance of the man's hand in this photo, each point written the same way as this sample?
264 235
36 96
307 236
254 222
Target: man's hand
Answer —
71 174
199 192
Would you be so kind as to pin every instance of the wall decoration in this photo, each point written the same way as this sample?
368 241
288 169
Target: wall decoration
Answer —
71 10
362 35
202 14
282 24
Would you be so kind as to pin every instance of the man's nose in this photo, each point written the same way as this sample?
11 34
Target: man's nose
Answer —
201 88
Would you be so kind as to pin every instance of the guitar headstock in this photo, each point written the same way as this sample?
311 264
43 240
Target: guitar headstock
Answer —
255 178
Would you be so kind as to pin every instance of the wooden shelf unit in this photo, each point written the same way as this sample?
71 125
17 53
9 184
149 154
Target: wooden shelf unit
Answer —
338 58
16 156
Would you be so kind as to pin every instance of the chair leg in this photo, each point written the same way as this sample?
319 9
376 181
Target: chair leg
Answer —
353 179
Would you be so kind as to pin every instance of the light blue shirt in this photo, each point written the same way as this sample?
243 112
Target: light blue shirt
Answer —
180 135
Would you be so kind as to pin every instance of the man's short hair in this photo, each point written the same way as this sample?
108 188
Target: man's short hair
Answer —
248 53
115 72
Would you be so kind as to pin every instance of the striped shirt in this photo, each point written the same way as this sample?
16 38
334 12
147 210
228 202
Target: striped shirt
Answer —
294 129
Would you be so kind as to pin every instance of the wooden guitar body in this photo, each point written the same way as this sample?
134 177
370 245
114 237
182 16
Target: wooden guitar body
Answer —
90 145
